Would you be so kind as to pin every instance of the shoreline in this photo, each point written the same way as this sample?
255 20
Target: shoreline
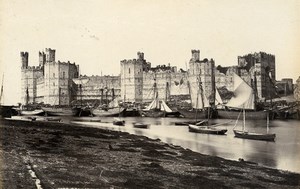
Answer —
66 155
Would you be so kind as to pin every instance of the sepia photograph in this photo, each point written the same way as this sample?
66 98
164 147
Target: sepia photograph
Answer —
149 94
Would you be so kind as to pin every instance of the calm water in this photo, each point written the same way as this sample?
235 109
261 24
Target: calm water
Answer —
284 153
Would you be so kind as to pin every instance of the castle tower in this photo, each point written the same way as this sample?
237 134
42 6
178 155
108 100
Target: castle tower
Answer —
195 55
132 79
42 59
24 59
50 55
201 77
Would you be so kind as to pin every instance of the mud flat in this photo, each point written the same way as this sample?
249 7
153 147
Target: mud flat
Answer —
59 155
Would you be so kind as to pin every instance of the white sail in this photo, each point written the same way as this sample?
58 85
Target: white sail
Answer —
165 107
114 103
199 104
243 95
218 99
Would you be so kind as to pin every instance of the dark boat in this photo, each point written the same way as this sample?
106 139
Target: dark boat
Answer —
119 122
254 136
52 111
140 125
251 114
190 113
82 111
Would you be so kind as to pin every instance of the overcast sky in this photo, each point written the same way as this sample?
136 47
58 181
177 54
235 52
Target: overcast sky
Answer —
98 34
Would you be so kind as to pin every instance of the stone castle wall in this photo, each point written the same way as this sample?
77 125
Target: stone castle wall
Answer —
99 88
50 82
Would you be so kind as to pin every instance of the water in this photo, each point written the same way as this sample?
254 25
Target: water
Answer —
282 154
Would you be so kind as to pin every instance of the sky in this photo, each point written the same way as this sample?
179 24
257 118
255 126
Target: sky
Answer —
97 34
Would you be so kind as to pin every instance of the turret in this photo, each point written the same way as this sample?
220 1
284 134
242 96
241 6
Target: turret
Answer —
42 58
195 55
24 59
50 55
140 55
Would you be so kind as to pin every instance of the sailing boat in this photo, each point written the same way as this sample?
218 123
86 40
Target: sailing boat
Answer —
5 111
242 91
156 108
204 126
245 100
29 111
113 108
118 121
197 107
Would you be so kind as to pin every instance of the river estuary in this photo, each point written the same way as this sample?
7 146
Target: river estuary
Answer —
283 154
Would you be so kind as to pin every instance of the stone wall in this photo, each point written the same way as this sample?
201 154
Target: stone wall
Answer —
98 89
297 89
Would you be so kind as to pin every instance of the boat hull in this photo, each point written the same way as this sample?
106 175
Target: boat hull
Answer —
119 123
191 114
31 112
140 125
59 112
207 130
153 113
114 112
254 136
249 114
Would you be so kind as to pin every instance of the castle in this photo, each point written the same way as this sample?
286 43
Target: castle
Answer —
50 82
59 83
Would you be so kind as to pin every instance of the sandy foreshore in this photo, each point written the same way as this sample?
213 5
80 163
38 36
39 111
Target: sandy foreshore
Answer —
59 155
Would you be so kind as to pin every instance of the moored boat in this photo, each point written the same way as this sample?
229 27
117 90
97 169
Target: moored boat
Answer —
32 112
254 136
110 112
207 129
251 114
140 125
245 100
119 122
51 111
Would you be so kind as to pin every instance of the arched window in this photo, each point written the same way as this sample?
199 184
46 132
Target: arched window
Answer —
129 70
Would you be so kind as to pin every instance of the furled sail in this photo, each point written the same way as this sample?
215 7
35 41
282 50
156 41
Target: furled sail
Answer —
243 94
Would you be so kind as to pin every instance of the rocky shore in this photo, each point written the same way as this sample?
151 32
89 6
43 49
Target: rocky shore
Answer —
59 155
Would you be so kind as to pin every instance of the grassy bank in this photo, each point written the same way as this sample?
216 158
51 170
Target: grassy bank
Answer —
64 155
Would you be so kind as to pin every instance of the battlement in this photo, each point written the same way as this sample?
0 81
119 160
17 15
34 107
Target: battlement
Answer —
131 61
162 68
33 68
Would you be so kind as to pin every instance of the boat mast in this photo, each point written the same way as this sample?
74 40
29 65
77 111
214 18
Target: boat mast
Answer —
268 120
244 119
1 89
